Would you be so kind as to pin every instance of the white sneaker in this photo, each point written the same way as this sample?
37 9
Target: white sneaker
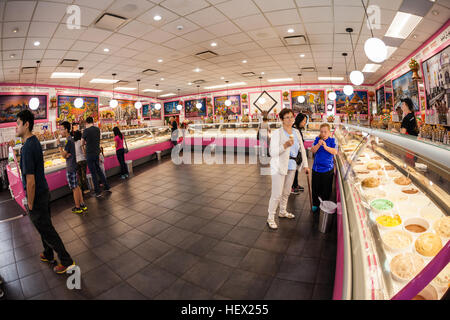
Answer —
272 224
286 215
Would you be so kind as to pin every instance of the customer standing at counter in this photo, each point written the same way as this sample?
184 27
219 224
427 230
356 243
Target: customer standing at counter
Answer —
38 194
409 122
120 152
174 128
81 162
91 139
325 148
299 124
287 156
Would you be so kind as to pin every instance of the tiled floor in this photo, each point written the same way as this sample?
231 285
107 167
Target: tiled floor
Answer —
176 232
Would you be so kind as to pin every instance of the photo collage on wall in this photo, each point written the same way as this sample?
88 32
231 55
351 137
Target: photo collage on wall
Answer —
68 112
381 100
11 105
221 109
314 101
405 87
191 110
356 102
436 75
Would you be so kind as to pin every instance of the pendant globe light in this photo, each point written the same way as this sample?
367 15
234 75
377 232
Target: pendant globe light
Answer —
356 76
179 106
34 101
300 99
348 89
228 101
138 104
374 48
157 105
113 102
198 105
261 99
332 94
78 103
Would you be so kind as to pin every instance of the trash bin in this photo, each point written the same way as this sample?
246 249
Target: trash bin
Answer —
327 210
129 164
158 155
90 181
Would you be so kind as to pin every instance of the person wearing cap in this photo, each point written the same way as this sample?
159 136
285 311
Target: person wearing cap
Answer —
409 123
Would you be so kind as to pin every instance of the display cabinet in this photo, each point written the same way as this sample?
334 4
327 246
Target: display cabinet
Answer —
395 194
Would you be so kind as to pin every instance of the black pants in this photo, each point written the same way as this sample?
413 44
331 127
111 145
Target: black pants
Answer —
94 168
40 217
81 170
322 186
295 183
121 158
174 142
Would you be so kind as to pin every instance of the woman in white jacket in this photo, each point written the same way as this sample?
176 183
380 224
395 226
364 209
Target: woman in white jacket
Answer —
286 142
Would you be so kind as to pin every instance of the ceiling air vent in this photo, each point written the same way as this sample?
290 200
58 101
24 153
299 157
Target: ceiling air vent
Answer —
248 74
150 72
110 21
206 54
199 81
29 70
295 40
68 63
308 69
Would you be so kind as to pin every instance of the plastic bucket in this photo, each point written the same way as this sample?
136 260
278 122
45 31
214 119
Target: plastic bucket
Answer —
129 164
327 210
158 155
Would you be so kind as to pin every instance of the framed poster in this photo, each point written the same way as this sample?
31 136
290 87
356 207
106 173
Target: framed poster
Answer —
171 108
405 87
436 77
314 101
381 100
67 110
357 102
145 111
12 104
190 108
273 101
389 101
221 109
155 114
125 110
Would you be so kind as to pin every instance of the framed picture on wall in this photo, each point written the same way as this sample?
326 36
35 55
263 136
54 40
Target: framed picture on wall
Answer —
389 101
357 102
12 104
314 101
125 110
155 114
67 110
405 87
436 77
381 100
170 107
146 111
221 109
191 110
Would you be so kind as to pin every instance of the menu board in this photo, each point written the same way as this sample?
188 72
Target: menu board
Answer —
12 104
68 112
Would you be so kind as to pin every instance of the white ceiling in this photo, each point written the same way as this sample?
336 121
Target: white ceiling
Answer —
243 30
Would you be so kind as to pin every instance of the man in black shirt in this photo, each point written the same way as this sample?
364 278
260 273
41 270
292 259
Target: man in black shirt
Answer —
38 195
91 139
174 127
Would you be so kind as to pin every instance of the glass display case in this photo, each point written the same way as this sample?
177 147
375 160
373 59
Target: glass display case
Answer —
395 193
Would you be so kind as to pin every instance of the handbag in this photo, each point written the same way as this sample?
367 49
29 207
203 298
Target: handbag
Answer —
299 158
125 150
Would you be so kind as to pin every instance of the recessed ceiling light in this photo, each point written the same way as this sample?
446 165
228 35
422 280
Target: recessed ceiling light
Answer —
197 70
160 60
302 55
157 18
151 90
221 78
190 84
180 28
330 78
106 50
226 85
263 72
244 61
371 67
291 30
15 30
66 75
125 88
107 81
402 25
162 79
36 43
167 95
213 44
12 55
280 80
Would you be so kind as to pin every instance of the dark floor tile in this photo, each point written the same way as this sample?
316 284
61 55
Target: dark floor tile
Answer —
44 296
221 204
229 217
329 250
136 220
118 229
325 274
173 235
261 261
240 207
98 281
133 238
208 275
228 253
297 268
153 227
231 196
322 292
28 266
215 229
122 291
244 285
272 241
207 212
253 222
68 236
191 223
9 273
28 251
96 239
13 290
187 208
171 217
248 198
177 261
6 245
243 236
296 246
151 281
312 248
289 290
152 249
87 261
75 247
109 250
198 244
33 285
182 290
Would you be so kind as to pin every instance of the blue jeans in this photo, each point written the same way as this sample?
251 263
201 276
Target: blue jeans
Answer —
94 168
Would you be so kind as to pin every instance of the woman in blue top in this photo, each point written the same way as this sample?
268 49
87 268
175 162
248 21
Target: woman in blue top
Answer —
324 148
